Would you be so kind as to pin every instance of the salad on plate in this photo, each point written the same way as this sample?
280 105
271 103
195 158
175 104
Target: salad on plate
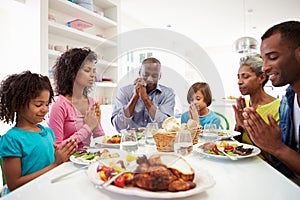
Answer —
87 157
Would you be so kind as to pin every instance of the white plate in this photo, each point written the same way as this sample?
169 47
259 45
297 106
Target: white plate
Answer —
99 140
75 160
88 162
255 151
202 179
228 134
213 137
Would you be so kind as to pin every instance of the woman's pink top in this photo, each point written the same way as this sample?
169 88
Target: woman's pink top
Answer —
67 123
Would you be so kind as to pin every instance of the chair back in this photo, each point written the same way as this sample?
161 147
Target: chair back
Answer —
224 121
2 178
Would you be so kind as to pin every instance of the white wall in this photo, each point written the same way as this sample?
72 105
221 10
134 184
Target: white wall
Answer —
19 39
214 25
211 21
19 36
227 64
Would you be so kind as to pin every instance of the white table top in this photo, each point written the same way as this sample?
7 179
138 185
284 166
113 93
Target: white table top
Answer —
249 178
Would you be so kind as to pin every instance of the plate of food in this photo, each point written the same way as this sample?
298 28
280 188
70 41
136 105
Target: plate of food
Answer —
226 134
219 134
109 141
232 148
140 132
87 157
180 178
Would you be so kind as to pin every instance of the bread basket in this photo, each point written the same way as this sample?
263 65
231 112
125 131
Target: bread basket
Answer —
164 140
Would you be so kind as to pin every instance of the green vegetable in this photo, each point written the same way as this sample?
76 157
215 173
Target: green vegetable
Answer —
76 153
79 153
116 136
139 137
210 152
89 156
231 153
221 133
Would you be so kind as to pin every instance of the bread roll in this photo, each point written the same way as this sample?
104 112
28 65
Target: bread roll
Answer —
191 124
178 165
184 126
171 124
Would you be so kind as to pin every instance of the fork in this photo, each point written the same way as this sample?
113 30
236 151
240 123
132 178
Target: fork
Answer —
129 168
229 156
108 182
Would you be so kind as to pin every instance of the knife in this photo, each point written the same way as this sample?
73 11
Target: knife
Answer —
68 173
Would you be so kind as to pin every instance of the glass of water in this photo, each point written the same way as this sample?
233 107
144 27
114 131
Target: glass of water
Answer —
183 144
210 132
150 130
129 140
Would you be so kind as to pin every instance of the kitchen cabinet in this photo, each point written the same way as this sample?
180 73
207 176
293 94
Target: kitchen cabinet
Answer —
57 36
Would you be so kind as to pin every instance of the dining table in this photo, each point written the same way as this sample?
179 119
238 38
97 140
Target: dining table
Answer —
243 179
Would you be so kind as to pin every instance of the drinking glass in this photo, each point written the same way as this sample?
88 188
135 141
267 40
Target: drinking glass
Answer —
150 130
210 132
140 134
129 140
183 143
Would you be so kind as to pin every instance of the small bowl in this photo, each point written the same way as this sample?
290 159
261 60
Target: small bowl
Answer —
60 48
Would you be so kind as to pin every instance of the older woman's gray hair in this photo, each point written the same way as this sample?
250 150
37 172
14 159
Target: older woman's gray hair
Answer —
255 62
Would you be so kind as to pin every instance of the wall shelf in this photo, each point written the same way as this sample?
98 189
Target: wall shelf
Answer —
82 13
72 33
55 32
53 54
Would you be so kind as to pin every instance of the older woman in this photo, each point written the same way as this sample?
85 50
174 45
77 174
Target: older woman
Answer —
251 81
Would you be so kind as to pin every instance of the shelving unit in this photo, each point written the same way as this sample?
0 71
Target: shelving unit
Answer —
100 37
83 13
72 33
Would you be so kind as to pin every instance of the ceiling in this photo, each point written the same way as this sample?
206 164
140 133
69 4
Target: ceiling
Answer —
210 23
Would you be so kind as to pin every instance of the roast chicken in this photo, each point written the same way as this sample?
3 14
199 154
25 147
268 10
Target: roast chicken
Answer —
152 174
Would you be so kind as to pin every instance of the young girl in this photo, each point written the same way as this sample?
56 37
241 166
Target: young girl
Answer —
199 97
75 115
28 149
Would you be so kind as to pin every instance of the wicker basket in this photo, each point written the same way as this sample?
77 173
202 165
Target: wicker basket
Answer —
165 141
195 134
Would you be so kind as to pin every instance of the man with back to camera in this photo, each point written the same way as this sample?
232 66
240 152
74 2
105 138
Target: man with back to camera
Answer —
280 50
145 100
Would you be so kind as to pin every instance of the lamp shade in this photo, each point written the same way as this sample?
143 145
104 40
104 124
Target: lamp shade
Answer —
245 45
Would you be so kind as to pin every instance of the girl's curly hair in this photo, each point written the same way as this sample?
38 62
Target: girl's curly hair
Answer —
17 90
67 66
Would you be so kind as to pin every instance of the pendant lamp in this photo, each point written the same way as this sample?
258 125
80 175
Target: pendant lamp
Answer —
245 45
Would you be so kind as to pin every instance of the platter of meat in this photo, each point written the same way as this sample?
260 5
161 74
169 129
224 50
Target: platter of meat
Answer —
236 149
156 176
